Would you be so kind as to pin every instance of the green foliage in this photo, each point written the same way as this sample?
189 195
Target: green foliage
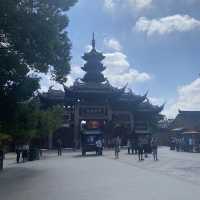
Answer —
4 138
24 126
15 85
50 120
33 37
32 122
36 31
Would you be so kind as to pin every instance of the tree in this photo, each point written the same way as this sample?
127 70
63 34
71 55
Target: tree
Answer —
15 87
36 31
30 122
33 37
25 126
50 120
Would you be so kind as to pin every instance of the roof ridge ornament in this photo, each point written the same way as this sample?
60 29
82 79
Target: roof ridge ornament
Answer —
93 41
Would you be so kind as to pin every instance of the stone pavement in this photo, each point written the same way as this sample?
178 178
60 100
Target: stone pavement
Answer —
72 177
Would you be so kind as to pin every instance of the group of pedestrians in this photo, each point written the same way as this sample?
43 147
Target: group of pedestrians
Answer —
179 144
132 146
24 153
185 144
140 147
143 146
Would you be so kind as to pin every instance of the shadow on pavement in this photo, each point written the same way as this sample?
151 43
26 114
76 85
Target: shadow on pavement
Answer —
87 155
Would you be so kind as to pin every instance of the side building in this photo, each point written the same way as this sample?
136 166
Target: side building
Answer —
185 131
92 100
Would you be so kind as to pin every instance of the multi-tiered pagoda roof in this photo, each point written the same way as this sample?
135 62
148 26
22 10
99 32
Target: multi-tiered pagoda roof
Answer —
96 87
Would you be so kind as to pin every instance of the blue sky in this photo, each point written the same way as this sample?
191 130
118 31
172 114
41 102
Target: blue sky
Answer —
151 44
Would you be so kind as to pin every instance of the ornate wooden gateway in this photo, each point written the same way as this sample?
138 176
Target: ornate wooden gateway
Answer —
93 102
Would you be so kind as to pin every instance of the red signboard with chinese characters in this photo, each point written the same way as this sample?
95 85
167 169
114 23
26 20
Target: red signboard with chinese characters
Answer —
93 124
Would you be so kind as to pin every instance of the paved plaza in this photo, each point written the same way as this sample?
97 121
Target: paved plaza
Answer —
72 177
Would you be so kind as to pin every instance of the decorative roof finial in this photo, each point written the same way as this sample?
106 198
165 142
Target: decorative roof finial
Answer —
93 41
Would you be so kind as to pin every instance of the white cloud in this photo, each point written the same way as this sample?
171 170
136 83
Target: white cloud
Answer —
166 25
156 100
76 72
140 4
46 82
188 99
119 72
113 44
112 5
88 48
109 4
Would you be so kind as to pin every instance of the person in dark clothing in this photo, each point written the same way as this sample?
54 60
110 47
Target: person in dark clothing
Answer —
145 146
24 155
99 147
117 147
18 152
140 149
129 145
25 150
172 144
154 146
59 147
134 147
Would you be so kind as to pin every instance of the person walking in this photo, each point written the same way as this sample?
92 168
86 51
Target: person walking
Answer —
101 142
140 149
134 146
117 147
172 143
129 146
59 147
190 144
154 147
18 152
25 149
177 144
145 146
99 146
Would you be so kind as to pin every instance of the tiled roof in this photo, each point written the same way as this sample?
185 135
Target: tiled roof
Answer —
190 120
